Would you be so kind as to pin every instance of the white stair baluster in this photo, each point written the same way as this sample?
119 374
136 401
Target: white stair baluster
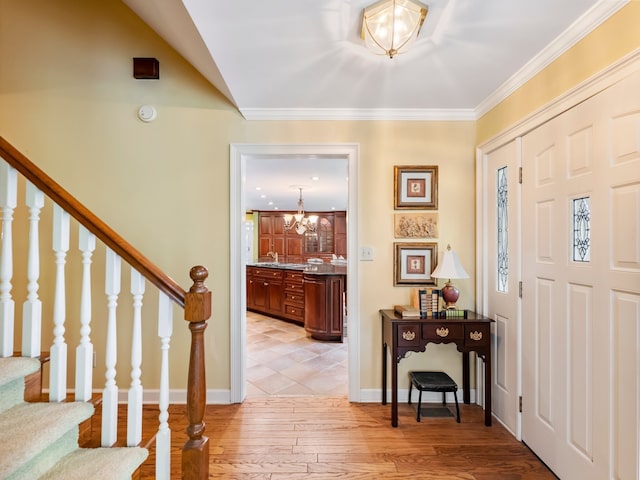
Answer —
134 410
163 437
110 392
84 351
58 374
32 307
8 199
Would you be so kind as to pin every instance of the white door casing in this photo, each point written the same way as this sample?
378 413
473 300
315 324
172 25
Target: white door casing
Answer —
238 155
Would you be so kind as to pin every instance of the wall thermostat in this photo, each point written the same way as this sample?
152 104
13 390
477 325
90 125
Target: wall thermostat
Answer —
147 113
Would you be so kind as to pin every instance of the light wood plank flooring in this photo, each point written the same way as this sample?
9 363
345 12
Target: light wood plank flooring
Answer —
291 438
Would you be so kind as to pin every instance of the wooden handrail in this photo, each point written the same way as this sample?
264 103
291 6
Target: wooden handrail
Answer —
92 223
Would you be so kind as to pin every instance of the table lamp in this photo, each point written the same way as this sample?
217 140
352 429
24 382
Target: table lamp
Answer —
450 267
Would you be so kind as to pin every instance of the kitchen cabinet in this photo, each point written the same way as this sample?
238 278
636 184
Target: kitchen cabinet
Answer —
294 296
329 238
324 306
265 290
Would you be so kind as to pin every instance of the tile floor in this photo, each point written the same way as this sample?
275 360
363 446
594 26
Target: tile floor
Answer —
283 361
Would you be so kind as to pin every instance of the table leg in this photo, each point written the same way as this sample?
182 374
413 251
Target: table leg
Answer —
466 388
394 392
384 373
487 389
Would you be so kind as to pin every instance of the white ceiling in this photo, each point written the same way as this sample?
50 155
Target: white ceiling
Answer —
304 59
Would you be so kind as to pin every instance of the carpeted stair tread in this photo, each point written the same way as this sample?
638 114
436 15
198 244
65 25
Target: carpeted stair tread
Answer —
12 368
98 463
28 429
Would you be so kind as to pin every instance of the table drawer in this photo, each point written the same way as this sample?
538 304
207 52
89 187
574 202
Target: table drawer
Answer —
476 335
408 335
442 332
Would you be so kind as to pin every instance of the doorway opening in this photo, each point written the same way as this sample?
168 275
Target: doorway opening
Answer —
241 156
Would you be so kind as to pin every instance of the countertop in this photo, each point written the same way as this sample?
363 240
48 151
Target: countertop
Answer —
309 268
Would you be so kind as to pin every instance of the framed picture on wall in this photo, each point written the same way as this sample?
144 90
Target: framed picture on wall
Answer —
415 225
416 186
413 263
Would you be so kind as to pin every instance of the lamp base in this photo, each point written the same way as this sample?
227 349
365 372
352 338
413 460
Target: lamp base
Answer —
450 296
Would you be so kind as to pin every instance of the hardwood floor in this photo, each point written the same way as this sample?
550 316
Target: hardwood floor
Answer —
292 438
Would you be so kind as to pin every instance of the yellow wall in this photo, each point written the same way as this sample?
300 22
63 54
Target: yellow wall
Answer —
68 101
616 37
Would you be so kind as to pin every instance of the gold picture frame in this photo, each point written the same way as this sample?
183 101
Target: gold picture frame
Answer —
413 263
415 187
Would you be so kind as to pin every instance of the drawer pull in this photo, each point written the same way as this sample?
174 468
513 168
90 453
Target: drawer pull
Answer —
293 297
475 336
409 335
442 332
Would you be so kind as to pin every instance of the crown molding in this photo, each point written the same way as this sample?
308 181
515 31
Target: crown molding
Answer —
595 16
410 114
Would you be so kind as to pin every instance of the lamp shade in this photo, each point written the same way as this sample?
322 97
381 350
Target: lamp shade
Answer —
449 266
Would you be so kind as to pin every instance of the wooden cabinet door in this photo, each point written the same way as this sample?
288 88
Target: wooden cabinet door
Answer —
314 305
340 232
275 296
260 294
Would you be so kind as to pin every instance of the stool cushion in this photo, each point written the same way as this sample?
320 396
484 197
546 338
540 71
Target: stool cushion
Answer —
433 381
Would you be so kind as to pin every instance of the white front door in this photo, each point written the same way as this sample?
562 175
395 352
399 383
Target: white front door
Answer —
502 269
581 295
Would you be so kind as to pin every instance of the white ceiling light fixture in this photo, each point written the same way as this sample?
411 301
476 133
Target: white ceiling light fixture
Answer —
301 224
390 27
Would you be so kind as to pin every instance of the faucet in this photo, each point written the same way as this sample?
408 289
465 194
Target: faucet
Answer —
274 255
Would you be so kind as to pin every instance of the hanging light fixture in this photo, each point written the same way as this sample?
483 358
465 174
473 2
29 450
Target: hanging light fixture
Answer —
301 224
391 26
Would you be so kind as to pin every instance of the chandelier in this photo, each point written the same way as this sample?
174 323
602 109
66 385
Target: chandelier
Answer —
390 26
301 224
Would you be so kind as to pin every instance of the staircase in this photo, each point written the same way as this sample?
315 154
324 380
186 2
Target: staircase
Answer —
40 440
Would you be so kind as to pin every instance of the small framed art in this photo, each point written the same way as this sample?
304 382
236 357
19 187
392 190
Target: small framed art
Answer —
416 187
413 263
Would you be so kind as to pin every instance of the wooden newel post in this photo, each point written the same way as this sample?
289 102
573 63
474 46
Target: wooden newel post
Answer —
197 310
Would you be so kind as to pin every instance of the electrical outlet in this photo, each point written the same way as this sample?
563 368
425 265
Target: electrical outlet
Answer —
366 254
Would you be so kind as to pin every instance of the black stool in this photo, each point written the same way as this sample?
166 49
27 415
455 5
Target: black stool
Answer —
433 382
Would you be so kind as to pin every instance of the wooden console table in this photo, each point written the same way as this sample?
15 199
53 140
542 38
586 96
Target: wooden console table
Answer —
403 335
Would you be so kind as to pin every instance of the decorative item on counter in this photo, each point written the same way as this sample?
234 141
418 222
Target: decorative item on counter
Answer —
407 311
335 260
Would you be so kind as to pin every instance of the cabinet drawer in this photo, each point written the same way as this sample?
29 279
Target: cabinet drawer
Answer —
297 276
293 287
443 332
267 273
408 335
296 298
294 310
476 335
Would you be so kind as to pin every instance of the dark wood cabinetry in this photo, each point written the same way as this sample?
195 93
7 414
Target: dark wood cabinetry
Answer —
323 306
329 238
294 296
264 290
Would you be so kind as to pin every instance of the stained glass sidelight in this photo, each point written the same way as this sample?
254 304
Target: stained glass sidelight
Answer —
502 226
582 229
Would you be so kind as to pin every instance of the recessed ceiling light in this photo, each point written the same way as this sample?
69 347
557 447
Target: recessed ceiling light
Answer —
315 178
269 203
263 196
258 188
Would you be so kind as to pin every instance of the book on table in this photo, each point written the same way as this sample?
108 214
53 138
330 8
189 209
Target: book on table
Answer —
429 299
407 311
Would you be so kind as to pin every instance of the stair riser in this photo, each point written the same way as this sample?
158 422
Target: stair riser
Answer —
11 394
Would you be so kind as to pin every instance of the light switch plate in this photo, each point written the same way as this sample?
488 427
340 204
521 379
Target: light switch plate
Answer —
366 253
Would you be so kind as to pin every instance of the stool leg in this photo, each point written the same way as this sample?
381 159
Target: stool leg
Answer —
444 398
419 404
455 397
410 386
